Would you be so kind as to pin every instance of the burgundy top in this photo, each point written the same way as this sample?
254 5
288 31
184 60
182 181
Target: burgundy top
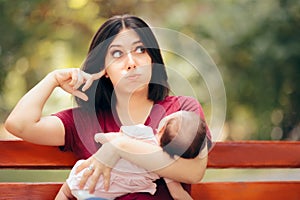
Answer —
81 126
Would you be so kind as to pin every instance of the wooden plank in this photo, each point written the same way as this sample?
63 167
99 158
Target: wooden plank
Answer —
252 154
255 154
32 191
205 191
247 191
20 154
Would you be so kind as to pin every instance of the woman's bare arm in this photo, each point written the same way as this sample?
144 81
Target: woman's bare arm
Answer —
148 156
152 158
26 120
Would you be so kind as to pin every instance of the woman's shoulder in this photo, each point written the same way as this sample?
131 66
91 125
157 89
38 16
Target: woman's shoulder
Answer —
69 111
75 112
176 103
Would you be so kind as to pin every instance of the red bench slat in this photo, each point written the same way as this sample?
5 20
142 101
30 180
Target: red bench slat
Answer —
252 154
287 190
255 154
32 191
20 154
214 191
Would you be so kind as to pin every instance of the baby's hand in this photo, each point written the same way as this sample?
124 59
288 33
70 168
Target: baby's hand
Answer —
106 137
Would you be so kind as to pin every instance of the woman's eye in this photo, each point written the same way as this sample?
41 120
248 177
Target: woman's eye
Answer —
116 54
140 49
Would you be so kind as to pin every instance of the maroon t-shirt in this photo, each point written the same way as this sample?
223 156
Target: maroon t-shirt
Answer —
81 126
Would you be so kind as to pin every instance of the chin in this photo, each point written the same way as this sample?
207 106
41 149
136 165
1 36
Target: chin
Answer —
140 89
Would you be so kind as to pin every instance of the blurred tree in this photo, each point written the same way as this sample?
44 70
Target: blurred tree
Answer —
265 62
256 46
254 43
260 51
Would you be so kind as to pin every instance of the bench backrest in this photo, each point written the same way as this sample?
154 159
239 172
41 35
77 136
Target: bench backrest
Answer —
246 154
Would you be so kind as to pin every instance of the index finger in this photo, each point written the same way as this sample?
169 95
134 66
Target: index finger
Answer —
98 75
91 78
106 178
82 166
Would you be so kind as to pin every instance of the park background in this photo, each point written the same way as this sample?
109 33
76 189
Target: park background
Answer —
254 44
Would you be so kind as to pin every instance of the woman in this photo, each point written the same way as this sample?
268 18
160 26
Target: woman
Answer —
123 82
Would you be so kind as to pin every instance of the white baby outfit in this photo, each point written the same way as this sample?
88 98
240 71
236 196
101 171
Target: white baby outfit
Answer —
126 177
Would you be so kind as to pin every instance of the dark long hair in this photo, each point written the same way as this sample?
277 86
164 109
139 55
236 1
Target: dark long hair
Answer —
101 92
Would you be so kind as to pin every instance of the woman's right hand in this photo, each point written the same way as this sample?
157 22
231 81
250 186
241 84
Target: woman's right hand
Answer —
72 78
31 127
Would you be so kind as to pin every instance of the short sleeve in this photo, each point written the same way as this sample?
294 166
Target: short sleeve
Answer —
79 136
66 117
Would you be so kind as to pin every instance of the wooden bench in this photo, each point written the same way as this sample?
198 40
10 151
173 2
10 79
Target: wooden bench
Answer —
247 154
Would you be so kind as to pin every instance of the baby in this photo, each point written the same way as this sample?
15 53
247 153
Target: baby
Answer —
181 134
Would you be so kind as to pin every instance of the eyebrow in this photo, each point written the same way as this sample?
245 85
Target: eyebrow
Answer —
119 45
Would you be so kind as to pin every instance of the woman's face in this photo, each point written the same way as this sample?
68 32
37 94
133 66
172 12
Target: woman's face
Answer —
127 63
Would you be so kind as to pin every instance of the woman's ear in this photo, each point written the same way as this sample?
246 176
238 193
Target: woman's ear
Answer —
104 73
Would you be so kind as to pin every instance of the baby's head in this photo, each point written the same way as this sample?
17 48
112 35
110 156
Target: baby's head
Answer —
182 133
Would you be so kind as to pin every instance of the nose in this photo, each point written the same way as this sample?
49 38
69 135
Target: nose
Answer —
130 63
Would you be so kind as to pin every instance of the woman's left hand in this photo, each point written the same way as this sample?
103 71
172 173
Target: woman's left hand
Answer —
98 164
95 170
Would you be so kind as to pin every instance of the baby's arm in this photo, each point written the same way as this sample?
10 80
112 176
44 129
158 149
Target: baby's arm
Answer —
107 137
176 190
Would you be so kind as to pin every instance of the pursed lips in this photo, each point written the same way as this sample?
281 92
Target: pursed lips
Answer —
133 76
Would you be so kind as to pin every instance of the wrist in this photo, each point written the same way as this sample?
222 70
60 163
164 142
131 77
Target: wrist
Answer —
107 155
51 77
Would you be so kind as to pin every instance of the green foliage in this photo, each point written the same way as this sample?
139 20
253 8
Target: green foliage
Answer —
263 63
255 44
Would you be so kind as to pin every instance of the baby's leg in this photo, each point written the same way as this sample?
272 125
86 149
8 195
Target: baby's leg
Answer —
64 193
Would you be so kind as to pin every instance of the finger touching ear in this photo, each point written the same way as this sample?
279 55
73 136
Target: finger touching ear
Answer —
98 75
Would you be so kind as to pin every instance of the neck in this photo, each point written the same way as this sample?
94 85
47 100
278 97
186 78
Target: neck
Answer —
133 100
133 109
